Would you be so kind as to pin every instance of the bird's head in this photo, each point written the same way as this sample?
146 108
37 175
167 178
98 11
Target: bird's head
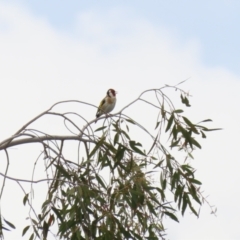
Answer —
111 92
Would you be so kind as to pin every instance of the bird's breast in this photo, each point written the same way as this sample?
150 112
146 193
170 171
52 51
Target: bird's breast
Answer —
111 100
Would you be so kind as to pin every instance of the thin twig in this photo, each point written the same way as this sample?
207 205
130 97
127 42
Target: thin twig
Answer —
5 173
40 139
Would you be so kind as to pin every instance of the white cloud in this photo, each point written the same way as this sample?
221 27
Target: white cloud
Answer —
40 65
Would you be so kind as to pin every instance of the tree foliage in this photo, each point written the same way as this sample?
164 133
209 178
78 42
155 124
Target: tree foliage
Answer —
122 180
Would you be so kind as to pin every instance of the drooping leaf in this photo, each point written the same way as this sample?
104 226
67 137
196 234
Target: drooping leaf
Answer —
193 180
170 121
45 230
185 101
157 125
31 237
184 203
175 143
163 112
192 209
171 215
116 139
187 121
25 199
101 128
97 146
100 181
194 142
130 120
25 230
203 134
151 207
9 224
63 171
212 129
56 211
206 120
119 155
178 111
133 145
125 134
177 193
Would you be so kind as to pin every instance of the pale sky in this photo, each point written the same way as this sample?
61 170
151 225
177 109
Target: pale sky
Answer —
60 50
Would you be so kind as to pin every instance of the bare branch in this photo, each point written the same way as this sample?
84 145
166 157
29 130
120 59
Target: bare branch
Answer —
5 173
40 139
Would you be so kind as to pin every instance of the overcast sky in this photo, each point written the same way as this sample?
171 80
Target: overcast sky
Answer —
58 50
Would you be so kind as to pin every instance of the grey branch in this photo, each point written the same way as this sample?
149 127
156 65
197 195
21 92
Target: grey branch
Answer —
41 139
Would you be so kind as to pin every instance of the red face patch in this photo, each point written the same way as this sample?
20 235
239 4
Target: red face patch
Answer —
111 92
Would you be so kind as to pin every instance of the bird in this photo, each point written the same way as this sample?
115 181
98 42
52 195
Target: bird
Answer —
108 103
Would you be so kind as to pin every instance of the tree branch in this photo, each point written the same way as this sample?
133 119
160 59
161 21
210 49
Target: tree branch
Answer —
41 139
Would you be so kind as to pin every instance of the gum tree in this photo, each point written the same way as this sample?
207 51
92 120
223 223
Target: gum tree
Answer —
120 179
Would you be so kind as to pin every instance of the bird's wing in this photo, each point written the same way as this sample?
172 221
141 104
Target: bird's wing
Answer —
99 111
101 103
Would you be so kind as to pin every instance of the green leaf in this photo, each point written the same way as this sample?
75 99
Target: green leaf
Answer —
134 199
193 180
98 145
125 134
130 120
191 125
187 121
178 111
133 146
164 184
120 153
157 125
169 165
34 221
63 171
185 202
203 134
188 139
25 199
194 142
178 193
172 216
186 135
175 179
100 181
180 196
175 132
31 237
116 138
9 224
212 129
110 147
45 230
101 128
151 208
170 121
207 120
185 101
25 230
193 193
192 209
153 145
163 112
161 192
174 143
56 211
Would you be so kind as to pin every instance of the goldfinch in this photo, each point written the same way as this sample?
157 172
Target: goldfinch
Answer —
107 104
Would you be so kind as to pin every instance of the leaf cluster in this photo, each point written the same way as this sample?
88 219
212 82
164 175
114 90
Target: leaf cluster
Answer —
120 189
